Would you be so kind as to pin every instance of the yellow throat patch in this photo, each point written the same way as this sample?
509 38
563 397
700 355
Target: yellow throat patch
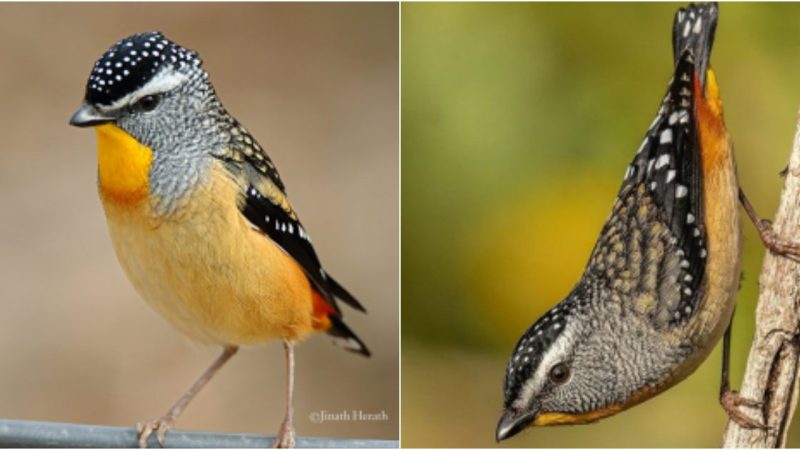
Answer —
123 165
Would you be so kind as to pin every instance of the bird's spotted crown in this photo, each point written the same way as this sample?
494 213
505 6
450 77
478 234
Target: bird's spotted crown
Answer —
131 63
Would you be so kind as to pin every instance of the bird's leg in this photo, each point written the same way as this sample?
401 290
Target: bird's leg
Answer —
167 421
730 399
765 231
285 436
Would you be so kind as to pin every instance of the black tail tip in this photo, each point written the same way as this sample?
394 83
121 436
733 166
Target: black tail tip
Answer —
693 31
697 21
345 337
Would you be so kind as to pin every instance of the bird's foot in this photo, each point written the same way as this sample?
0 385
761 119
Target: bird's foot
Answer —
732 402
285 436
160 426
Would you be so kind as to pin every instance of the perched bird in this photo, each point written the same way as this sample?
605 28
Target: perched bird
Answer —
198 214
659 289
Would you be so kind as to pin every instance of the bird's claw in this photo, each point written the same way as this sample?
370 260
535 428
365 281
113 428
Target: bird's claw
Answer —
145 429
731 402
285 436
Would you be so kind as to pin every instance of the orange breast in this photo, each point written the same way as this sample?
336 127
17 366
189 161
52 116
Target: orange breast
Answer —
209 272
123 165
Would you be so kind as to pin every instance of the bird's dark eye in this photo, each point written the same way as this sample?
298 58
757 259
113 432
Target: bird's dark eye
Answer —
147 103
559 374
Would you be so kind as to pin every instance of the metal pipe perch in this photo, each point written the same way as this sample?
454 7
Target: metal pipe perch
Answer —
23 434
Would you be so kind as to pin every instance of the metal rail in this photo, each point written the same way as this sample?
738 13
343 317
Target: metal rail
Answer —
22 433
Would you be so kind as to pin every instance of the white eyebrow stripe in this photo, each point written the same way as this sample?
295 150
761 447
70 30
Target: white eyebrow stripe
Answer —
166 80
556 351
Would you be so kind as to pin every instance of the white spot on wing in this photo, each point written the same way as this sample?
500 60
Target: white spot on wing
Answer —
698 26
662 160
666 136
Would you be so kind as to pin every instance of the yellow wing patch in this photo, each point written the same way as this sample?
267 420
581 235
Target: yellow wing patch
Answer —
123 165
269 190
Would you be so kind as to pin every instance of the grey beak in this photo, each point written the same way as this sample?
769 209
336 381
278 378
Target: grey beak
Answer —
512 423
88 116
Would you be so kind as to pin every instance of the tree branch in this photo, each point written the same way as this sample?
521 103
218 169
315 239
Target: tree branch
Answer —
772 366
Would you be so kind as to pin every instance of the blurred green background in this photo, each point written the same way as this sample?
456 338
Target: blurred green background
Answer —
518 123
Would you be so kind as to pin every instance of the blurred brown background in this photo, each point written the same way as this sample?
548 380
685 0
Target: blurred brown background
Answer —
317 85
519 120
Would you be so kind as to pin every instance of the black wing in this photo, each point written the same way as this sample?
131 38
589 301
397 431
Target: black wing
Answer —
652 248
269 215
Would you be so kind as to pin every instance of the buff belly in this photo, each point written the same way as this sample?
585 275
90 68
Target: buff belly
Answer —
204 268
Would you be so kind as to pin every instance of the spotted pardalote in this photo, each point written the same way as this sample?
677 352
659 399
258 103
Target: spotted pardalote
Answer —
659 288
199 216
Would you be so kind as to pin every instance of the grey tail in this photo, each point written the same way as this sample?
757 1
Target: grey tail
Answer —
693 33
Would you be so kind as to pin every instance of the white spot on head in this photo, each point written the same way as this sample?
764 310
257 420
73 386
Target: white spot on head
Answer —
551 356
164 81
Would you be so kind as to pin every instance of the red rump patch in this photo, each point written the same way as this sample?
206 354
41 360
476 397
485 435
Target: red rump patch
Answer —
322 309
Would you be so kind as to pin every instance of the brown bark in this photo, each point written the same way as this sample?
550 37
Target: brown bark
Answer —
772 366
